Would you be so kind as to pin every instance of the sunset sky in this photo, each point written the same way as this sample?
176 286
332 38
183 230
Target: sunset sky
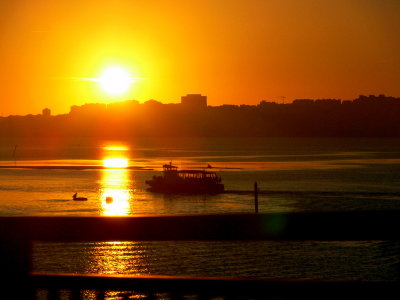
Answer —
234 51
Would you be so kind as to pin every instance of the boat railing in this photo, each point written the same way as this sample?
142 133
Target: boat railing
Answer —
18 233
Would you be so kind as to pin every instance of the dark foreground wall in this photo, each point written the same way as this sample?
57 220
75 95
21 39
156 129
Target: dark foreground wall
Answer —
16 234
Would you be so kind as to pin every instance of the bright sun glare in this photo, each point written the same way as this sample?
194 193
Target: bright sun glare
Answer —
115 80
115 163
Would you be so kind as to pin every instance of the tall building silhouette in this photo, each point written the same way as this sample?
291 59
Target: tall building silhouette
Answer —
46 112
194 101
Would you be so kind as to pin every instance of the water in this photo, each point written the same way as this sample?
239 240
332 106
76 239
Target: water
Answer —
293 175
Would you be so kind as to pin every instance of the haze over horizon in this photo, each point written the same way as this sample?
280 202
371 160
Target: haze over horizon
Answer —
236 52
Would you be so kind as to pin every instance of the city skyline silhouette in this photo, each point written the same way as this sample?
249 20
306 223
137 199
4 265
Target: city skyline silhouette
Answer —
365 116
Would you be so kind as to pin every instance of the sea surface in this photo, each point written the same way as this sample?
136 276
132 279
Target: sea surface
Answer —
39 177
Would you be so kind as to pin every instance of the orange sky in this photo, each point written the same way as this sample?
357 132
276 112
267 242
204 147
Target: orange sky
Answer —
233 51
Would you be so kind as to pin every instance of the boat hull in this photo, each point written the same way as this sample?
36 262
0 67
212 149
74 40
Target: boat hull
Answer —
185 182
80 199
184 188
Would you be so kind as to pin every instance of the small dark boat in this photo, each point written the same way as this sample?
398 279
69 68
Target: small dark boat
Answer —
185 181
76 198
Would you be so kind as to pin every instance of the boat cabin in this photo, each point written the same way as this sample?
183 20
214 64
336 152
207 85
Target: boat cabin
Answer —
171 172
188 181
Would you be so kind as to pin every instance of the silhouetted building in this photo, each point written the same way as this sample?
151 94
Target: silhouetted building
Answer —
303 101
152 103
194 101
328 101
46 112
264 103
89 108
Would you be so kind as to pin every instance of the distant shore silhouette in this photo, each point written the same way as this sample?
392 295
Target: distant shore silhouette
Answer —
366 116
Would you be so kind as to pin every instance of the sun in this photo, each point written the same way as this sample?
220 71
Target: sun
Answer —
115 80
116 163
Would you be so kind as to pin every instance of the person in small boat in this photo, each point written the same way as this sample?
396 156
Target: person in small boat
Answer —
75 197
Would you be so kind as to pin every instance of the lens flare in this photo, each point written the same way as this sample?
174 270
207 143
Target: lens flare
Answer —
115 80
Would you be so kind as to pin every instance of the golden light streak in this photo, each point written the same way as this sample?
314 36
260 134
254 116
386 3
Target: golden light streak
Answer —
115 148
115 163
116 185
116 193
110 258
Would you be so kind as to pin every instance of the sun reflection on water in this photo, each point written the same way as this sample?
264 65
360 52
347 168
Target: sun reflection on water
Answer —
112 258
116 184
116 163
